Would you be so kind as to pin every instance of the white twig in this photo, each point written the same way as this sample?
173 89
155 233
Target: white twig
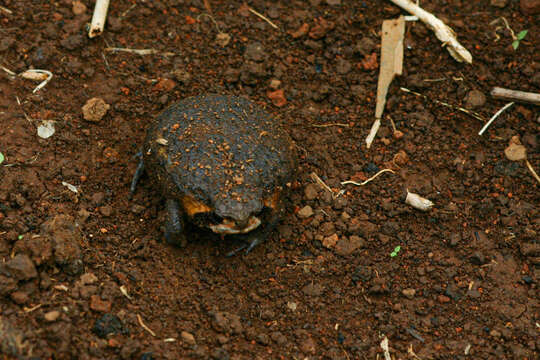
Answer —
134 51
442 31
263 17
143 325
494 117
374 128
8 71
386 350
515 95
99 18
37 74
532 170
6 10
368 180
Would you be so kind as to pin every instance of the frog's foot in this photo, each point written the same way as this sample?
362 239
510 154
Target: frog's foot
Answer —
137 175
248 245
174 228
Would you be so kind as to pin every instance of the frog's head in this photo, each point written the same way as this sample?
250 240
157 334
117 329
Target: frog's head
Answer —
231 215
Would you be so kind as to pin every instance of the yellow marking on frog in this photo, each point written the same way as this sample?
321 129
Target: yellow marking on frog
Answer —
193 206
272 201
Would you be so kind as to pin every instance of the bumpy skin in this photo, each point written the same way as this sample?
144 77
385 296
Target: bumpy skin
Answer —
218 157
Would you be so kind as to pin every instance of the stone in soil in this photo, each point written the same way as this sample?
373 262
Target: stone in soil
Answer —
97 304
305 212
330 242
348 245
255 51
311 191
39 248
188 338
52 315
475 99
66 238
312 289
21 267
95 109
7 285
108 324
226 322
11 343
408 293
277 97
499 3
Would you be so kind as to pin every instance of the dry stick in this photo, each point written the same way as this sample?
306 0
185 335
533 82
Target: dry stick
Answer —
143 325
98 19
6 10
532 170
466 111
442 31
27 75
264 18
494 117
8 71
328 125
391 65
123 15
134 51
368 180
515 95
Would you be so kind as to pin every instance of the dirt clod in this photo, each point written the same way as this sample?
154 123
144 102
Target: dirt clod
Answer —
95 109
21 267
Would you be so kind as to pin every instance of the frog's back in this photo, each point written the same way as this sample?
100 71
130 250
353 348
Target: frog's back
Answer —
218 146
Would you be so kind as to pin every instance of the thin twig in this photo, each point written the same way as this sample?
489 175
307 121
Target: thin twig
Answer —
466 111
123 15
106 62
134 51
319 181
264 18
494 117
213 20
143 325
49 74
329 125
368 180
532 170
6 10
8 71
98 18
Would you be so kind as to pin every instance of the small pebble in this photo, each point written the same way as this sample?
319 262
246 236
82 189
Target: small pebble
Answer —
52 315
305 212
188 337
95 109
408 293
475 99
99 305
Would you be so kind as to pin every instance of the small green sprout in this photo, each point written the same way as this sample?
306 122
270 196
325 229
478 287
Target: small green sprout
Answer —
20 237
2 158
519 37
396 251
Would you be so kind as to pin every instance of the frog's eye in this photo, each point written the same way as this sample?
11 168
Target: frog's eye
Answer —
272 201
193 206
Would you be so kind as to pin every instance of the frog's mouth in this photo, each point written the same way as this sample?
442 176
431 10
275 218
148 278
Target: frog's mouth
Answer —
229 227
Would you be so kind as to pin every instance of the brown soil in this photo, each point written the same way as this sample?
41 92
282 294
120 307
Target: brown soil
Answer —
325 285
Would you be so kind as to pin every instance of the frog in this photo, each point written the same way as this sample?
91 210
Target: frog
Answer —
223 164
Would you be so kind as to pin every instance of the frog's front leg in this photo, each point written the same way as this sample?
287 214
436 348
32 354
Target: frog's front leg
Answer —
174 227
257 236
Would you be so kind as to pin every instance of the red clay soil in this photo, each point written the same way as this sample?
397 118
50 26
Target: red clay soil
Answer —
88 275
